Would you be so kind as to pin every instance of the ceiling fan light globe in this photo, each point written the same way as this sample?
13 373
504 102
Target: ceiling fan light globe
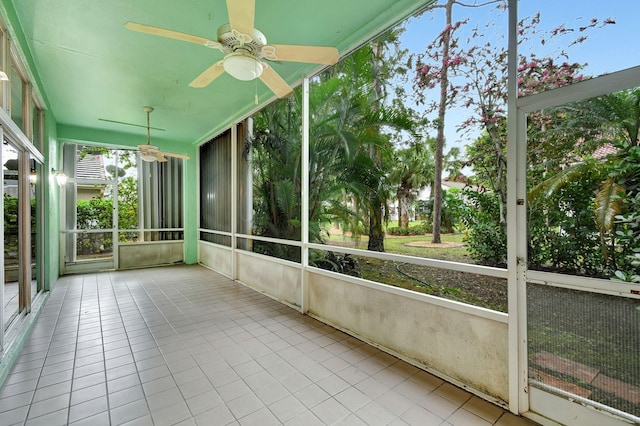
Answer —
242 66
149 158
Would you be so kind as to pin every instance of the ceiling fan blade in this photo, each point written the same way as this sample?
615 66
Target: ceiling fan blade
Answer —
163 32
308 54
161 158
172 154
274 82
210 74
147 147
241 15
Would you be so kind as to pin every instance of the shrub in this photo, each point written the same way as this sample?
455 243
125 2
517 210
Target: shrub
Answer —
419 229
452 210
486 238
336 262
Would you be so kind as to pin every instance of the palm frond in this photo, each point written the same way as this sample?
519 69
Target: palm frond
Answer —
555 183
608 204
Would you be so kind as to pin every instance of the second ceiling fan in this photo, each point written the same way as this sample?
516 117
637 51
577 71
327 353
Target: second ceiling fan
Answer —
244 49
151 153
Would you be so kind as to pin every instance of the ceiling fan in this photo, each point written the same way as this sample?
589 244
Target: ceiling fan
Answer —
151 153
244 47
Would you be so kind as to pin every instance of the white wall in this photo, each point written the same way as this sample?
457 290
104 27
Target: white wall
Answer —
215 257
138 255
442 335
279 279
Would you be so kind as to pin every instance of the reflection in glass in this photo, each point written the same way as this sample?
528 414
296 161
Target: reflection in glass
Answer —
36 229
16 97
12 224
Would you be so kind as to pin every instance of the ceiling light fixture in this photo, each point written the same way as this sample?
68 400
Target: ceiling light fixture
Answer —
242 65
149 158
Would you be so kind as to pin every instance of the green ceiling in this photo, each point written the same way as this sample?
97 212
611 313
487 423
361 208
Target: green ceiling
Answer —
90 68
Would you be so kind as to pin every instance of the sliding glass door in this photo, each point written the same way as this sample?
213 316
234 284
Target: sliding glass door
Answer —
23 254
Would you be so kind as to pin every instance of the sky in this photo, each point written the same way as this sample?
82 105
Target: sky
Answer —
611 48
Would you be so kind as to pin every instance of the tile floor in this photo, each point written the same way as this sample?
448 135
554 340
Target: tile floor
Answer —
184 345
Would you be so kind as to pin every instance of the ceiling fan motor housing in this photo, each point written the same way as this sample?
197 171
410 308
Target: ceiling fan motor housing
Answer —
232 40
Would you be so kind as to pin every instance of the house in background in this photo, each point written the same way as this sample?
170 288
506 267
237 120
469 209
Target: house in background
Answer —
91 167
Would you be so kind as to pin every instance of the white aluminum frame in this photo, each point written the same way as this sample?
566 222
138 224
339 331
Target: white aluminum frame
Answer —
517 244
304 214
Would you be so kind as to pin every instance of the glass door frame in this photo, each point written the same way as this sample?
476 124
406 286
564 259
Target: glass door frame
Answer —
78 266
13 134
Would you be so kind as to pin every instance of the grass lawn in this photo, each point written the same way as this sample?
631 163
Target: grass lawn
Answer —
401 245
474 289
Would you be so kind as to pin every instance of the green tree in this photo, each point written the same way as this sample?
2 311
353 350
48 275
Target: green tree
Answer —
610 185
474 74
275 155
413 171
435 69
346 181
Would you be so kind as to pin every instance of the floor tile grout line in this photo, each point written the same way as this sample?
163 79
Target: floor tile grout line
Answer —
150 297
81 303
104 355
31 402
114 291
199 366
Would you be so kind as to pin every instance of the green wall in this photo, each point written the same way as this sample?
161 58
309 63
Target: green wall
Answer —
51 202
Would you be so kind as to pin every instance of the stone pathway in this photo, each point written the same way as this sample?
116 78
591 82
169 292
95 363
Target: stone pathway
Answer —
582 373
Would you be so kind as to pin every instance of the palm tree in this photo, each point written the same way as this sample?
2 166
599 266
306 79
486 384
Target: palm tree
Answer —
413 171
612 119
344 129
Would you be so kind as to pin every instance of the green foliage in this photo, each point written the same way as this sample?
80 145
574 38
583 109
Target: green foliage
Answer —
452 210
275 153
420 229
486 238
563 235
128 203
96 213
627 230
585 218
336 262
348 156
10 215
412 171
